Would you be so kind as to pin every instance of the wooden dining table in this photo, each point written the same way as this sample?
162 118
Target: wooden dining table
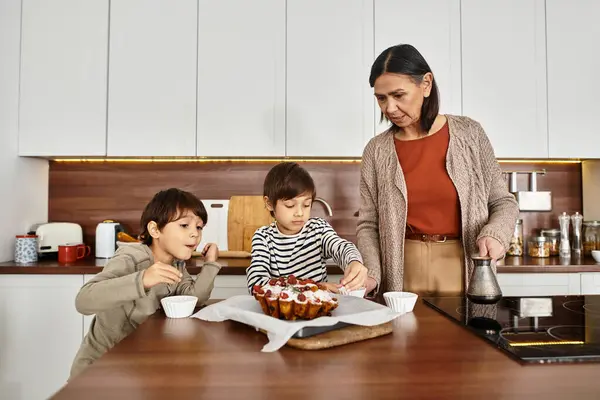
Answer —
427 356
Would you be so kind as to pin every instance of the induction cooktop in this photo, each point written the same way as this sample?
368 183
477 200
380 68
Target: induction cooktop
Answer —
553 329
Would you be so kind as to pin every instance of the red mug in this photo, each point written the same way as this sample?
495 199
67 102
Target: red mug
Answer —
68 253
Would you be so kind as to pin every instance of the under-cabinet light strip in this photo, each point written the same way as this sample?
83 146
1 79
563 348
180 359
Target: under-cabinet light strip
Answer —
267 160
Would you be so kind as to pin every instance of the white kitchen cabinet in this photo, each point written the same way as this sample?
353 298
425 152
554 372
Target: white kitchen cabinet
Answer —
539 284
241 78
152 78
62 106
329 104
87 319
227 286
590 283
433 28
40 333
573 33
504 74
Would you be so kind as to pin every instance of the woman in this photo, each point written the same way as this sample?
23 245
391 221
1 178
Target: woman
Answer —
432 192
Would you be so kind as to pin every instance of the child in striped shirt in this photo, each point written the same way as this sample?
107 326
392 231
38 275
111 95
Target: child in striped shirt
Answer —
296 244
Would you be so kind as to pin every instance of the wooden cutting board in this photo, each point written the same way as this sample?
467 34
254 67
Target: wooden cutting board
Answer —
245 215
226 254
339 337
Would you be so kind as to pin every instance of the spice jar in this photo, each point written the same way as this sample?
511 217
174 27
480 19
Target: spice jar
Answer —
591 237
553 236
515 248
539 246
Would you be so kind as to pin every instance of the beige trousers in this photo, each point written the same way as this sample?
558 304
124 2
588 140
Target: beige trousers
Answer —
434 268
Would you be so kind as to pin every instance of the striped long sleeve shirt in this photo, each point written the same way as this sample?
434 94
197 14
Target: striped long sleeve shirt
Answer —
302 255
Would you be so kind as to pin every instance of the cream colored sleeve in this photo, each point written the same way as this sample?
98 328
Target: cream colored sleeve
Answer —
367 229
202 286
118 283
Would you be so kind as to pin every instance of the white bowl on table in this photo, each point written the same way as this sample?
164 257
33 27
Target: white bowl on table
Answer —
179 306
402 302
596 255
355 293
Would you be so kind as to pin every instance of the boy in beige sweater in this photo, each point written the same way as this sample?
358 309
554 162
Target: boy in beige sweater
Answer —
133 282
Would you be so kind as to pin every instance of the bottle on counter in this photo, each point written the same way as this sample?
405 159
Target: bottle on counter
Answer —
515 248
538 246
591 237
577 245
565 248
553 236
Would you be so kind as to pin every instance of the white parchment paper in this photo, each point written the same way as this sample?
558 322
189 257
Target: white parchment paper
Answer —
245 309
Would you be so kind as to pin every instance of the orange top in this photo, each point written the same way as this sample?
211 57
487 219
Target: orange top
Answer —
433 206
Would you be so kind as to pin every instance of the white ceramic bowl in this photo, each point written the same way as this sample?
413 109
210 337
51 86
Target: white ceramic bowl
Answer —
596 255
356 293
402 302
179 306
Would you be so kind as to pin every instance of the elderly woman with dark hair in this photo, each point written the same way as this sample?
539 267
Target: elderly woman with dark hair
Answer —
432 192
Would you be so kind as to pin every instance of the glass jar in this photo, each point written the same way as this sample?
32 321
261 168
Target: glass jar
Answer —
591 237
539 246
553 236
515 248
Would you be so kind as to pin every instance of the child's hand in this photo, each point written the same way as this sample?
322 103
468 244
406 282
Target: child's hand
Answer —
331 287
160 273
210 252
355 276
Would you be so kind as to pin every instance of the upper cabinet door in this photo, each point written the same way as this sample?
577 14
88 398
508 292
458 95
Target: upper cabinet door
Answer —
329 56
433 28
152 78
573 85
62 109
504 74
241 78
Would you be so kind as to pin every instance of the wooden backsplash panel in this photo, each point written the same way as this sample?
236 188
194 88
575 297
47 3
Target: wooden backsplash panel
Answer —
89 192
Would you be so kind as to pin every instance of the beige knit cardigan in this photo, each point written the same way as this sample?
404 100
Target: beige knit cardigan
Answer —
486 206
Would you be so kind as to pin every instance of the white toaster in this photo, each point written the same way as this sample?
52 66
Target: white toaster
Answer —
53 234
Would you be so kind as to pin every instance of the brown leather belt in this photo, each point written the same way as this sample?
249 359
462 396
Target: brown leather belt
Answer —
430 238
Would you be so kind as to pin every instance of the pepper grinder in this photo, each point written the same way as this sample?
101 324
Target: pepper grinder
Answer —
577 245
483 285
565 247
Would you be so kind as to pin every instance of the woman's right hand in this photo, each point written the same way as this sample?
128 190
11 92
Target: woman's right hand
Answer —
160 273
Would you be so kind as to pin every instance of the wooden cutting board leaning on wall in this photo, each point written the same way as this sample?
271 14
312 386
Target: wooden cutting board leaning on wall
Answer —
246 214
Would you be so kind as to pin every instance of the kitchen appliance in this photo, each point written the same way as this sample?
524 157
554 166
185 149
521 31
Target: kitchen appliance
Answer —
106 238
530 200
552 329
483 285
53 234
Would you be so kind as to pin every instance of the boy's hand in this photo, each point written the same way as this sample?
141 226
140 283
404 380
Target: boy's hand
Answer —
355 276
331 287
210 252
160 273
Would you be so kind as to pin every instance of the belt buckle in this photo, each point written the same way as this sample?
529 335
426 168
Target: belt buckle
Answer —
443 240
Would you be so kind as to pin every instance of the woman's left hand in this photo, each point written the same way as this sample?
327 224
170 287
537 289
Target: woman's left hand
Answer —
355 276
488 246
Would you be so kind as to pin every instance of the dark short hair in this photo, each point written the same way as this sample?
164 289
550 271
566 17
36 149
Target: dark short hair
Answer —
168 206
404 59
287 180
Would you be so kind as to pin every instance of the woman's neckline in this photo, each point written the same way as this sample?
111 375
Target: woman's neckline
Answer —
441 127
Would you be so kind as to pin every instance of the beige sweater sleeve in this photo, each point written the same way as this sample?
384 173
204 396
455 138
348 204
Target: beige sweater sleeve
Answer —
367 230
118 283
204 284
503 208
